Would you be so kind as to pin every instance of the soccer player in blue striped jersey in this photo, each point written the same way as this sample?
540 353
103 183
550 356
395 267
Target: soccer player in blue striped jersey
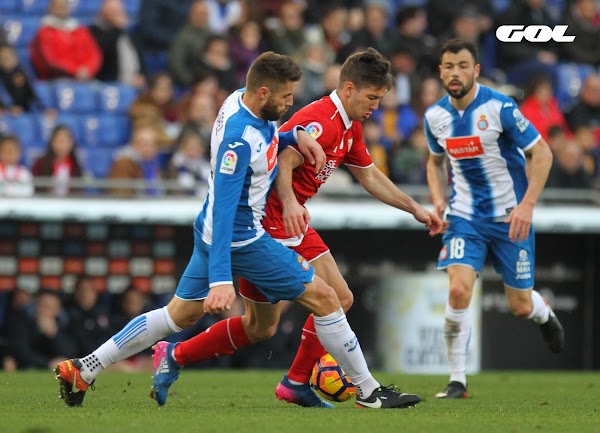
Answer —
484 136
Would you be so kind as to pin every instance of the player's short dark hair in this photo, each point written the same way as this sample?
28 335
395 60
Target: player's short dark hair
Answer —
272 70
455 45
367 68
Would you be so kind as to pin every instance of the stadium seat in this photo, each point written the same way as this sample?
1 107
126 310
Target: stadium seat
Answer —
105 130
45 93
81 8
72 121
20 29
75 97
568 80
25 61
155 62
10 6
37 7
98 161
133 9
23 126
116 98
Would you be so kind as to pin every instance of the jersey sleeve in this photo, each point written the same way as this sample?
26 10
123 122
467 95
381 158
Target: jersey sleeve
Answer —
434 146
289 138
517 128
358 155
233 160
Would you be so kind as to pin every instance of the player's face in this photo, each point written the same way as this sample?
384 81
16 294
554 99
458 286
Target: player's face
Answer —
362 102
278 102
458 72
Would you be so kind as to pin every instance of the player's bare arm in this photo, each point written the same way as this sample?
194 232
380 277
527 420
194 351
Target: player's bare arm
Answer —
311 150
382 188
521 216
295 216
437 179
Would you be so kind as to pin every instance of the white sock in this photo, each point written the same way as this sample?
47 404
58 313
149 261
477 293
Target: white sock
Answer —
540 313
139 334
339 340
457 332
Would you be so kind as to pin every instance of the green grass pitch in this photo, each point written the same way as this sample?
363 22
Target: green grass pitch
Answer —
243 401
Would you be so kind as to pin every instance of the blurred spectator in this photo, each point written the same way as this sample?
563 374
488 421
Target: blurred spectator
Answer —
409 161
429 92
557 136
411 23
314 67
121 58
190 166
216 58
540 106
200 116
187 48
586 111
404 67
372 138
64 48
138 161
567 170
586 140
89 325
224 15
523 60
286 34
15 179
245 46
39 340
59 163
331 33
441 13
19 94
376 33
159 21
396 120
157 107
583 19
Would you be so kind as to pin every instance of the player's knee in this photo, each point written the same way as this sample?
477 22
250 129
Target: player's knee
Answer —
521 309
346 298
459 293
327 301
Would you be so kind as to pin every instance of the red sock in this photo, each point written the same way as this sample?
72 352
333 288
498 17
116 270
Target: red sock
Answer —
309 352
223 338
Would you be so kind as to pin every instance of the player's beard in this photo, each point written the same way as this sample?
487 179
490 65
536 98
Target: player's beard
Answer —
461 92
270 112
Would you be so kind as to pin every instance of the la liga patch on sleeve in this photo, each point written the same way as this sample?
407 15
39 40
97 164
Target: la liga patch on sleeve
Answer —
228 162
315 129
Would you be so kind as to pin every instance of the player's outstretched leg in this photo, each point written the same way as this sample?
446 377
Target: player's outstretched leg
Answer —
454 390
553 332
166 371
300 394
72 387
387 397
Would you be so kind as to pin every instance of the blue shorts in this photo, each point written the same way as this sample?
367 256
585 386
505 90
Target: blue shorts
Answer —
468 243
277 271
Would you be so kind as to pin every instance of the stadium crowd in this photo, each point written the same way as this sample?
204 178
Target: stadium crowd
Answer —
129 90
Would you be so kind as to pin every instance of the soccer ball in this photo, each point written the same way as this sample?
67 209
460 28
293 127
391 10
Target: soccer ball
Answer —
329 380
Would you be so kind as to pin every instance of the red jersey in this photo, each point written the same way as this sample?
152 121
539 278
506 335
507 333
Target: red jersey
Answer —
342 140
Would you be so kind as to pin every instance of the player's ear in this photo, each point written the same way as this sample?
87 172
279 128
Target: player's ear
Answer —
348 88
263 93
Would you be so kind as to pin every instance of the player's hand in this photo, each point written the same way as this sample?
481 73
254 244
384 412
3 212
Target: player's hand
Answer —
311 150
430 220
520 222
220 298
439 208
295 218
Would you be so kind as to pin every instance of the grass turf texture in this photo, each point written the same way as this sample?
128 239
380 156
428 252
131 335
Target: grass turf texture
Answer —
244 401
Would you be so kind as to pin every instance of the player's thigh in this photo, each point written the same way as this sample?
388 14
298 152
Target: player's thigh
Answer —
326 268
464 244
319 298
515 261
277 271
260 320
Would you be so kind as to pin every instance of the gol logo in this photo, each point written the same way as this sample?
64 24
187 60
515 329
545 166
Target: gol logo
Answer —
516 33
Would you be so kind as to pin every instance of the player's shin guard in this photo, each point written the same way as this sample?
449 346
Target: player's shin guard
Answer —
340 341
222 338
309 352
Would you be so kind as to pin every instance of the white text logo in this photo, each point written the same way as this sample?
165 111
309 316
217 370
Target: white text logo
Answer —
516 33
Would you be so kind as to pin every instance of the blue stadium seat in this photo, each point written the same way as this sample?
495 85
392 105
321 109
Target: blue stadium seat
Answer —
75 97
98 161
105 130
133 9
23 126
116 98
20 29
38 7
568 80
73 121
155 62
45 92
85 7
25 61
10 6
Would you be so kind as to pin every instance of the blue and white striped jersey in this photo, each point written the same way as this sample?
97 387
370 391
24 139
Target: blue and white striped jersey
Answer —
485 145
243 162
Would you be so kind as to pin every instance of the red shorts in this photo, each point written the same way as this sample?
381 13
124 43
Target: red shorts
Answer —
312 247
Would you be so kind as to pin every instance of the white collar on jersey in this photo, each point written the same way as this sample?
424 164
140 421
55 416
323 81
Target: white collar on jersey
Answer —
338 103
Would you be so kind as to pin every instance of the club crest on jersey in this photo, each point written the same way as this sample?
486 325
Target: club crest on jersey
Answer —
303 263
464 147
443 253
315 129
228 162
482 124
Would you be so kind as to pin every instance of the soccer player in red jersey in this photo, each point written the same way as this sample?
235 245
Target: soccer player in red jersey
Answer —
335 122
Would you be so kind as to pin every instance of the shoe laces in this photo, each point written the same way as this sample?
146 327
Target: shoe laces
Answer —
390 387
